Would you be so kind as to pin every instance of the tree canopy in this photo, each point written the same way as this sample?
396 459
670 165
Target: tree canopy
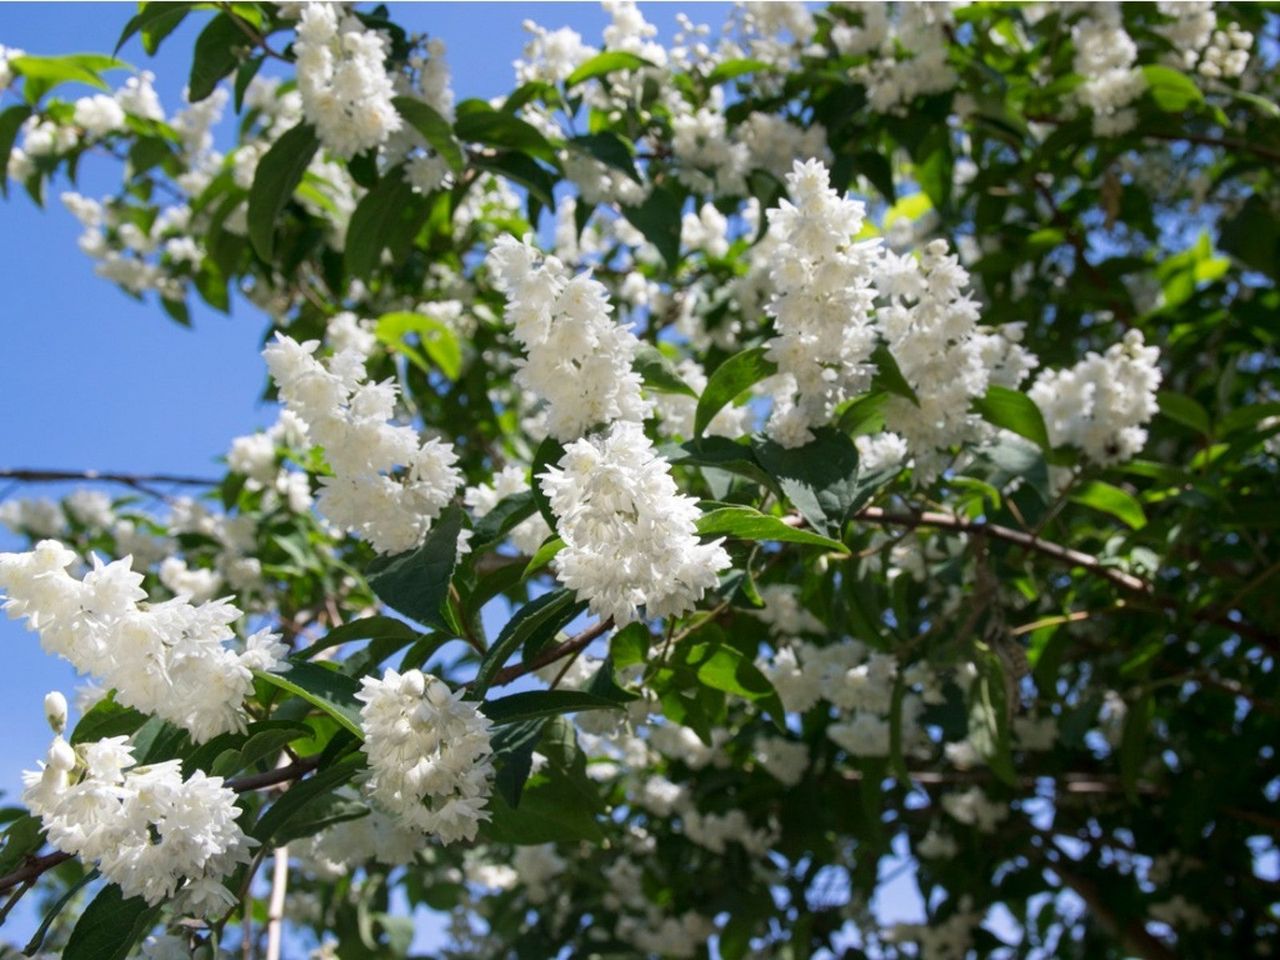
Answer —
709 480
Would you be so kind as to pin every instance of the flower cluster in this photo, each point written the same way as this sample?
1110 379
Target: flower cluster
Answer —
630 537
346 92
429 754
169 659
1102 404
144 827
1105 56
349 418
892 81
930 324
577 357
821 305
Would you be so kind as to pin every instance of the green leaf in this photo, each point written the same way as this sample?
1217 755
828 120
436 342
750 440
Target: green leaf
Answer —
23 837
1133 744
493 527
1172 90
434 129
536 704
897 760
416 583
1014 411
1182 409
106 719
604 63
296 800
545 554
725 668
435 337
278 175
11 121
747 523
37 938
821 479
513 749
889 377
42 74
331 691
729 380
497 128
864 414
364 628
549 453
609 149
109 926
553 809
529 627
154 21
388 207
729 69
215 56
1111 500
658 372
630 645
719 453
658 218
1252 236
524 171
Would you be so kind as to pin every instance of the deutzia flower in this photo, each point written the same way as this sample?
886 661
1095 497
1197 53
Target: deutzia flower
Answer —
387 485
169 659
145 828
345 89
578 357
429 754
630 537
1103 403
822 303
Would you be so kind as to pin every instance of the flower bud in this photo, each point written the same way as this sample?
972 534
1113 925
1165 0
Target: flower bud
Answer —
55 711
61 755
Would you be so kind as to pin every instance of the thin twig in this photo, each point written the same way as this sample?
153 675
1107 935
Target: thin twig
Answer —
28 475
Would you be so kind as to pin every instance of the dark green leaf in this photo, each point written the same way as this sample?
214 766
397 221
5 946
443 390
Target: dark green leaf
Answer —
493 527
216 55
888 376
416 583
497 128
533 704
1182 409
109 926
821 478
278 175
609 149
658 218
434 129
364 628
301 794
1133 744
11 121
729 380
529 627
37 938
107 719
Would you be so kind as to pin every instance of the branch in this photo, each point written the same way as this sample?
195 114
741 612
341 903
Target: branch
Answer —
136 480
1133 936
1065 556
573 645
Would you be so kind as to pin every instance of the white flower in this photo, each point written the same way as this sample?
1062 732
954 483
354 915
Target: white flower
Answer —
169 659
784 759
429 754
55 711
630 537
528 534
99 115
1103 403
974 808
1105 57
821 305
346 92
387 486
145 828
577 357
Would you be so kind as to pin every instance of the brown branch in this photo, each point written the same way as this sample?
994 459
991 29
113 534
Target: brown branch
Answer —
573 645
1067 557
27 475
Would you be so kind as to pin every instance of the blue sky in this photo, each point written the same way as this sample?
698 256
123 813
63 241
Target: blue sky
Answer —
94 379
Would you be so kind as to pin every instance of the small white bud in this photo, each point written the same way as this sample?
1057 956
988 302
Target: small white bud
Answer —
55 711
61 755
